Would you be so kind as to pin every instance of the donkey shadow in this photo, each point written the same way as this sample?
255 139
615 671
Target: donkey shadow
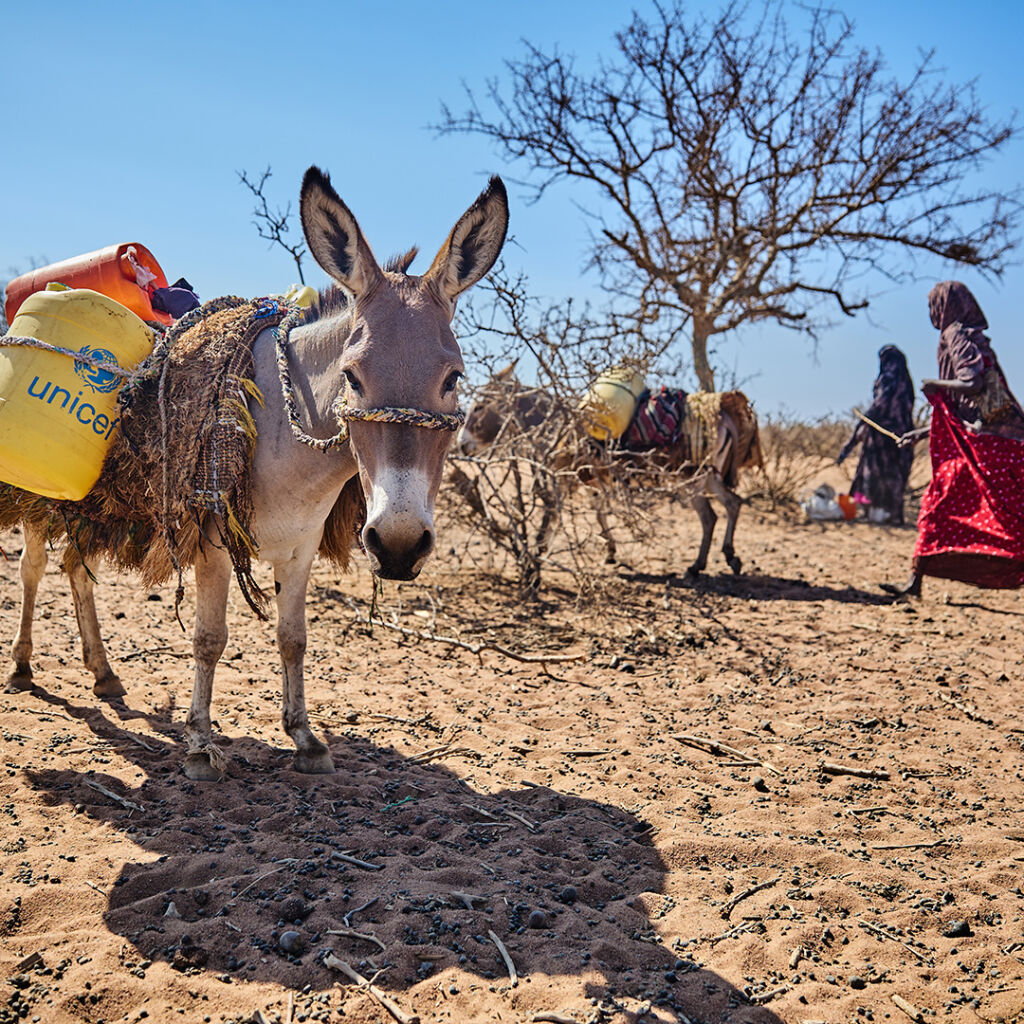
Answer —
405 852
759 587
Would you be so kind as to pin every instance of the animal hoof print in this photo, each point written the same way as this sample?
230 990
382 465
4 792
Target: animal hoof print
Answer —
19 682
197 767
109 686
314 764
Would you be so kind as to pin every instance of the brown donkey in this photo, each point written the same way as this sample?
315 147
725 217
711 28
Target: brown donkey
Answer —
727 438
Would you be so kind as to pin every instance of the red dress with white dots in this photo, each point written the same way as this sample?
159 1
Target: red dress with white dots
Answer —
971 524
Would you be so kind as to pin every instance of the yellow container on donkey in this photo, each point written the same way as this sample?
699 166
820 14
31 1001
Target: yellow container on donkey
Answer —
611 401
58 414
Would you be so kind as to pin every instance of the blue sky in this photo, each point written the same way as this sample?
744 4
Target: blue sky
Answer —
128 122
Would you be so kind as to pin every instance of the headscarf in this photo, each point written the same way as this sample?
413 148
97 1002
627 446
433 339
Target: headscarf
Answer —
893 392
951 302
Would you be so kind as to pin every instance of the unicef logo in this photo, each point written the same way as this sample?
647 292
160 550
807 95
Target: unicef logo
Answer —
99 380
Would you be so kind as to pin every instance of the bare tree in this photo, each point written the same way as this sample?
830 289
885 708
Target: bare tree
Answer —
273 224
742 170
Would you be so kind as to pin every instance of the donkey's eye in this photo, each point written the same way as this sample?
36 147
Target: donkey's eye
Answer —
353 382
450 381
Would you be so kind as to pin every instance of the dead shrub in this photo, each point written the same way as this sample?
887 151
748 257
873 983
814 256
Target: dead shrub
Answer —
795 453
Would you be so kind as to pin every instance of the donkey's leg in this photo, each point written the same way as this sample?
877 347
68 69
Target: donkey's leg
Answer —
597 502
290 579
703 508
731 500
203 760
93 652
31 567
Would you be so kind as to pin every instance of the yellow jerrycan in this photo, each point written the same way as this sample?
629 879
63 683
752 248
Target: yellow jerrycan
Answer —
58 414
611 401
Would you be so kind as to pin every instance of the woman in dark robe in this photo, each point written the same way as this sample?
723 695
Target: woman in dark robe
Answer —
971 525
884 467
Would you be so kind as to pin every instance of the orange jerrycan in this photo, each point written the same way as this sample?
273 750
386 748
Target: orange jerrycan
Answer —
120 272
57 413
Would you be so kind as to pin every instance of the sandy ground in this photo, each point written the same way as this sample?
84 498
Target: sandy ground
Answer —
652 832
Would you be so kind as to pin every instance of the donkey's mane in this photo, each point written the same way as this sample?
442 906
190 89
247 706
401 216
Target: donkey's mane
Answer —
400 263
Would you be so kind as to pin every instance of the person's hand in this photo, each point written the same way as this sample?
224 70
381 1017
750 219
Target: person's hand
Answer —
930 387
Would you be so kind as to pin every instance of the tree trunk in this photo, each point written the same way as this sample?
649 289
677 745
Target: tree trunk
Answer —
701 366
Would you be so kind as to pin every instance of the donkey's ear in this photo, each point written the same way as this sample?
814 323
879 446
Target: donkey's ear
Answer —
333 236
473 245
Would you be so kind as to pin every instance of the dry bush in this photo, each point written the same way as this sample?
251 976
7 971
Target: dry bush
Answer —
795 453
524 502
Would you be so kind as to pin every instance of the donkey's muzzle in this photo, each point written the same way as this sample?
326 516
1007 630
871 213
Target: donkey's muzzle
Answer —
397 561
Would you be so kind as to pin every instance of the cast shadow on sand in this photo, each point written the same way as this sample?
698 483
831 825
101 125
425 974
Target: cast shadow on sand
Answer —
408 852
759 587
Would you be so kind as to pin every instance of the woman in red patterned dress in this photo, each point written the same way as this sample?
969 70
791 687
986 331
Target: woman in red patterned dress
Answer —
971 524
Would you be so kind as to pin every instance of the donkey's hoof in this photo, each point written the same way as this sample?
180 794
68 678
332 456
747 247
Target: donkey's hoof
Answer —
735 564
198 768
693 571
317 762
109 686
19 680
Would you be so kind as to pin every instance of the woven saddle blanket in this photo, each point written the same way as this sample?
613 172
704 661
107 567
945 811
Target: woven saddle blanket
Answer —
669 418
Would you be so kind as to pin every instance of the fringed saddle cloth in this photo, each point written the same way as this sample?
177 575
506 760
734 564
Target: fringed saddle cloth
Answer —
184 450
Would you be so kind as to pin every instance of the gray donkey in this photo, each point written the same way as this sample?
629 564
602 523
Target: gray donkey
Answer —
388 349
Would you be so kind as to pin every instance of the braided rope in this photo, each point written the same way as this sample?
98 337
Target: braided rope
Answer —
79 357
320 444
413 417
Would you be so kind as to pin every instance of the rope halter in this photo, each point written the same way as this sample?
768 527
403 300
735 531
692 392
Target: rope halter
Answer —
342 413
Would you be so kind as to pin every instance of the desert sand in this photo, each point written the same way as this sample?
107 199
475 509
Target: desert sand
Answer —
757 798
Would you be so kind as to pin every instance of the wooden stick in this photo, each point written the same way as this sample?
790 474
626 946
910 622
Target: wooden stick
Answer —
351 933
913 846
718 749
732 904
860 773
529 824
743 926
767 997
892 938
127 804
554 1018
386 1001
876 426
971 713
439 752
347 919
356 862
504 955
908 1008
468 899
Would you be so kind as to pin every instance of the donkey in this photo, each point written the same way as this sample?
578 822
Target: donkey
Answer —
390 346
502 406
